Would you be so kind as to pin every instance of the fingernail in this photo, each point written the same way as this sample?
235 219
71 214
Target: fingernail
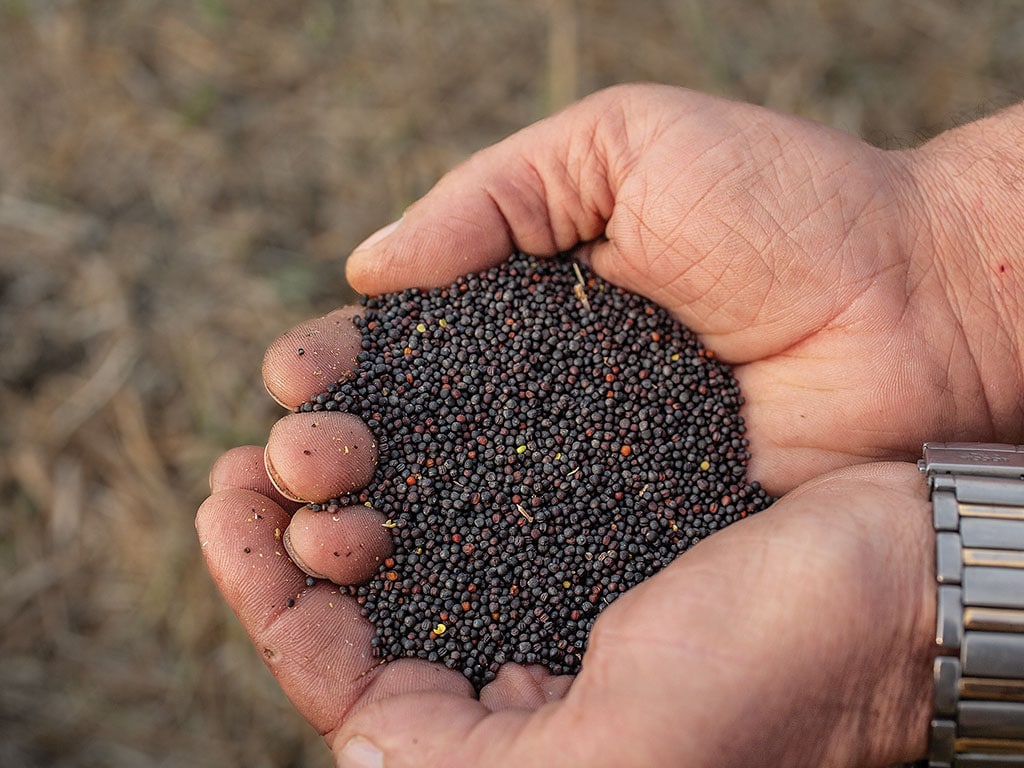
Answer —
275 477
286 539
377 236
359 752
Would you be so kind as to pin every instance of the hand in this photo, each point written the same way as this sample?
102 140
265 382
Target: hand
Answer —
800 636
839 279
808 259
862 294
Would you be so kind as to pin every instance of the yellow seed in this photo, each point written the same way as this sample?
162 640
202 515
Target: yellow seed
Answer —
440 629
566 584
675 358
705 465
443 323
521 449
421 327
388 523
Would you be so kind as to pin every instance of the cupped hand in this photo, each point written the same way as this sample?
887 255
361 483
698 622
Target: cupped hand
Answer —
801 254
800 636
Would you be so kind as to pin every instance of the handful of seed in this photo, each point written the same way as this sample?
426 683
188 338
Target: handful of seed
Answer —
547 441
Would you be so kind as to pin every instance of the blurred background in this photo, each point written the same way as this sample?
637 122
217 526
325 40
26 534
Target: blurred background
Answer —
180 181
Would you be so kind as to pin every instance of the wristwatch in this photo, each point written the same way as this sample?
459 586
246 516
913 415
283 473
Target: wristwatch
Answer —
977 493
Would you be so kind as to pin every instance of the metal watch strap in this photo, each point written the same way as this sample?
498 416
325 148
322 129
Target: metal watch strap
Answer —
977 493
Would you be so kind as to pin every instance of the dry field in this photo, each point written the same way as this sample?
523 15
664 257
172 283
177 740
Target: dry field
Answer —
181 180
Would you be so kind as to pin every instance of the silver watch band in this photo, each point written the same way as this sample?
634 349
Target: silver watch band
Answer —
977 493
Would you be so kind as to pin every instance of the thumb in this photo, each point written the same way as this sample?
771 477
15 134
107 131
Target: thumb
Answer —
755 228
431 730
543 190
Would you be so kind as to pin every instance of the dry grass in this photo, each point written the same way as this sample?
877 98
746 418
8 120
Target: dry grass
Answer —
180 181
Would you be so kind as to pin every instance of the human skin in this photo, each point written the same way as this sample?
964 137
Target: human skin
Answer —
801 636
868 301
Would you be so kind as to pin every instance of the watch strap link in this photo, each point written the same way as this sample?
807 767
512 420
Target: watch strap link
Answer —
977 493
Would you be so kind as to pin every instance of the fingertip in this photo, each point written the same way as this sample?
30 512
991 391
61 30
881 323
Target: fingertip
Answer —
240 536
345 546
420 729
317 456
431 249
305 360
360 752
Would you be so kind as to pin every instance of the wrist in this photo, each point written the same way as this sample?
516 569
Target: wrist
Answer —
968 247
897 717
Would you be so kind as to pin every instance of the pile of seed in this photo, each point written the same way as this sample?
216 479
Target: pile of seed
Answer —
547 441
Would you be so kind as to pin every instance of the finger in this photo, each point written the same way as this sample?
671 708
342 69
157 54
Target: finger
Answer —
345 546
438 729
244 468
542 190
320 456
314 640
305 360
429 728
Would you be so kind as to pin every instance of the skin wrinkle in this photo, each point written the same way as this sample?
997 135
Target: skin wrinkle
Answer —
954 358
587 167
543 201
918 273
369 681
608 135
786 233
362 685
668 247
756 304
738 164
651 258
777 276
586 220
501 199
860 289
493 200
357 685
718 279
941 184
582 224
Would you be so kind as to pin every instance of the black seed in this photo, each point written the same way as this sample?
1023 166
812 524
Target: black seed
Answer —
559 455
